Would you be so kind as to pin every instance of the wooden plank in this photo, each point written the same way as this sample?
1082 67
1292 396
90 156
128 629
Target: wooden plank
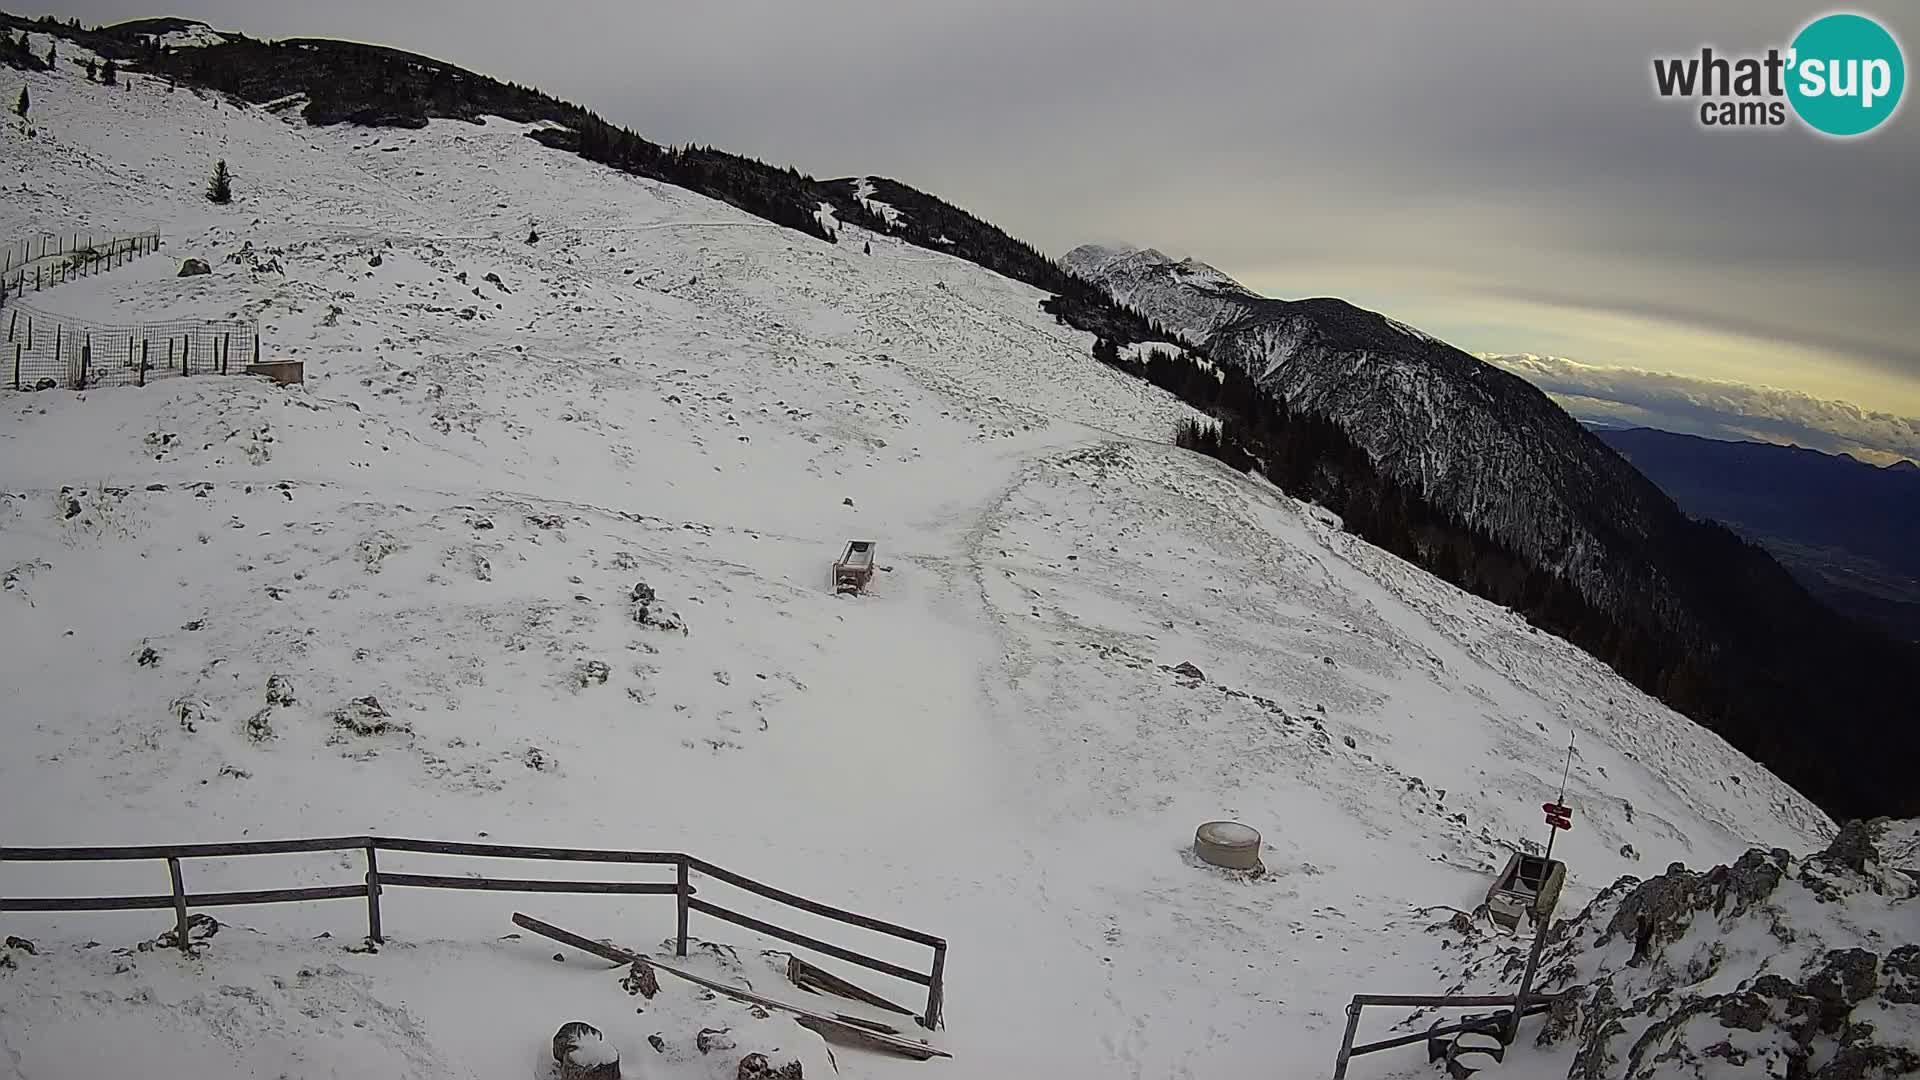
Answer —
84 903
193 900
871 1040
805 904
438 881
512 851
179 905
178 851
821 981
276 896
815 944
851 1032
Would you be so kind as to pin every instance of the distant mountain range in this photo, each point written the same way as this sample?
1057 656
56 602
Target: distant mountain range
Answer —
1848 530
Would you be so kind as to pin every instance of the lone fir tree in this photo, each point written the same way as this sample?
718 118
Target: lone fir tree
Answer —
26 102
110 73
221 189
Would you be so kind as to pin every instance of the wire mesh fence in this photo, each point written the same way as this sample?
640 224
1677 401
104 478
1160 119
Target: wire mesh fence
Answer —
45 351
41 262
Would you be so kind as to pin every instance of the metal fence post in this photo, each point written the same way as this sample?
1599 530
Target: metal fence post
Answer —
373 896
1526 980
179 902
681 894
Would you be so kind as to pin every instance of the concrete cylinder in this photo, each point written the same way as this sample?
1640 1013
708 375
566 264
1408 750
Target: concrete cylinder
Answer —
1228 844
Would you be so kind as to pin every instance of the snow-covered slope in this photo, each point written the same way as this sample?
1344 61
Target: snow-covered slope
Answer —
451 516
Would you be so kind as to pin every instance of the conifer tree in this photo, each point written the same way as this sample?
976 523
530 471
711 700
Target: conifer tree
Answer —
93 71
221 189
23 104
110 74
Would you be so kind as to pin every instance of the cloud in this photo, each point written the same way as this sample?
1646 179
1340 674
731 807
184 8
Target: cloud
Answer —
1716 408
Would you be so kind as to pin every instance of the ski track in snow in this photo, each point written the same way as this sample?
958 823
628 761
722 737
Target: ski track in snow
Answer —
450 516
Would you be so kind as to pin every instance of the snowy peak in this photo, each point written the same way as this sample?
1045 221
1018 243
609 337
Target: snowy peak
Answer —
1101 263
1186 296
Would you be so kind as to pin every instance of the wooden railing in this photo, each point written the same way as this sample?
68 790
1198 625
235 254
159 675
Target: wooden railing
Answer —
681 888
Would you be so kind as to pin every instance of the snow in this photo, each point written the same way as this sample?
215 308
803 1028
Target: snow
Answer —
593 1052
199 35
1412 332
451 514
863 190
1229 834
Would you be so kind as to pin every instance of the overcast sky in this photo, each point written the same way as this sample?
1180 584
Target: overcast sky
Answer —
1500 173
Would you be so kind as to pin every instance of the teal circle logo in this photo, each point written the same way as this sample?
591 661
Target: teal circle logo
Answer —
1846 74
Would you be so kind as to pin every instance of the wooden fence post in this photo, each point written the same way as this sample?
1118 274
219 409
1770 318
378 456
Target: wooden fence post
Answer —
226 349
373 896
86 360
681 894
143 361
179 903
936 991
256 344
183 368
16 365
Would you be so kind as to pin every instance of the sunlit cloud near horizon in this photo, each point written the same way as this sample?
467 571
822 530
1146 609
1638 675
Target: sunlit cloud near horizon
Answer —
1717 409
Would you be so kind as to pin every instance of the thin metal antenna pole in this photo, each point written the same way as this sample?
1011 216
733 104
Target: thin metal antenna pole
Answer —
1553 833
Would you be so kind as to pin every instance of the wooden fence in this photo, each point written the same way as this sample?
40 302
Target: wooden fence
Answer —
681 888
56 258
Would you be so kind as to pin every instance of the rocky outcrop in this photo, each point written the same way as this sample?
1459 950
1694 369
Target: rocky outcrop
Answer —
756 1067
1772 966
